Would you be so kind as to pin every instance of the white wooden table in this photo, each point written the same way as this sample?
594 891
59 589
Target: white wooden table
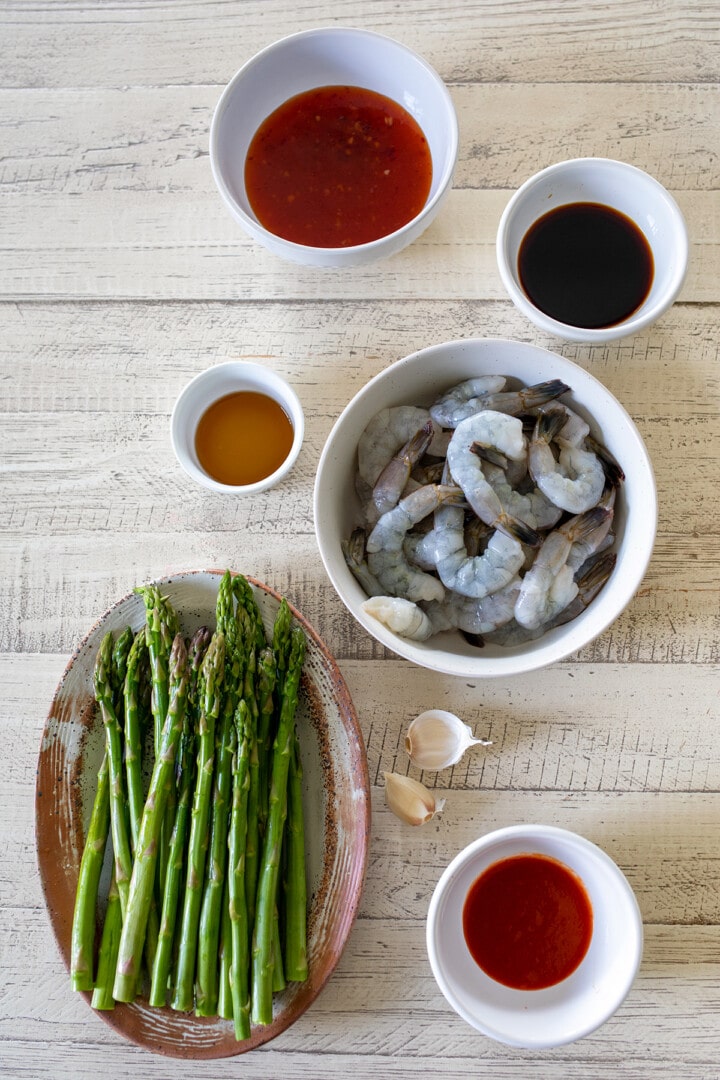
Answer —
121 276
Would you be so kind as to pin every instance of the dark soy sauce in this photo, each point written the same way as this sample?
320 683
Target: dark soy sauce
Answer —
586 265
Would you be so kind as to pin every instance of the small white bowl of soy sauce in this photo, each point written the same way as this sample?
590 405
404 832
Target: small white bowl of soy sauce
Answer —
237 428
592 249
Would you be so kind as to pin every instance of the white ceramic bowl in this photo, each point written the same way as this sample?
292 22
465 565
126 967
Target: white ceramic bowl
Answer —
418 380
560 1014
331 56
214 383
622 187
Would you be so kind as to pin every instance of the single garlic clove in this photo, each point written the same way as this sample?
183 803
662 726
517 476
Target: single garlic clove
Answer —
410 800
437 739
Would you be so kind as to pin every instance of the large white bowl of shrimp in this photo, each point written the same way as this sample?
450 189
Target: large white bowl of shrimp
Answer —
485 507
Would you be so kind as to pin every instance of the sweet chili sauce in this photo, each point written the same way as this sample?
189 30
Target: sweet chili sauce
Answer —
243 437
337 166
528 921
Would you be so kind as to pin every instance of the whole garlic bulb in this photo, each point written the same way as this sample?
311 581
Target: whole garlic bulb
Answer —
437 739
410 800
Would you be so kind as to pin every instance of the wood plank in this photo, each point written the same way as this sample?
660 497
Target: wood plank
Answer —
56 43
125 179
102 379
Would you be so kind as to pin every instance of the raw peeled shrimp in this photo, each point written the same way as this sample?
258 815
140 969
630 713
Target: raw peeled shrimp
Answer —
473 576
576 480
532 507
574 430
503 433
465 399
590 580
472 616
450 411
386 559
390 484
385 434
549 585
403 617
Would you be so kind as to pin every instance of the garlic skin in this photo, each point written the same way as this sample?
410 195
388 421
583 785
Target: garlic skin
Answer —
437 739
410 800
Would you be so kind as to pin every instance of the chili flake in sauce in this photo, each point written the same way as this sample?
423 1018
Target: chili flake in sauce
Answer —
337 166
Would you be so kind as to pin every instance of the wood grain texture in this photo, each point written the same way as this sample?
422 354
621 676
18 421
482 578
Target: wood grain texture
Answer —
122 276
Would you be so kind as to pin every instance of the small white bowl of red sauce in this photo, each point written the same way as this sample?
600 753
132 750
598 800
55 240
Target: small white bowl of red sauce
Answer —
237 428
592 249
334 147
534 936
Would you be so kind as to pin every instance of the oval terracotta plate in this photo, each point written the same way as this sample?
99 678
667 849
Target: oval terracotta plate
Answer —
336 801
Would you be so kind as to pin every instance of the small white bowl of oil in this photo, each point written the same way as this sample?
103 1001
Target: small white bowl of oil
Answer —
237 428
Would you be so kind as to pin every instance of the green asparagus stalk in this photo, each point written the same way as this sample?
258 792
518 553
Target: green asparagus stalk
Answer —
184 781
211 910
210 698
160 629
134 732
140 893
83 925
262 958
265 733
295 906
175 868
281 645
246 599
113 743
102 997
253 841
238 910
225 1005
120 656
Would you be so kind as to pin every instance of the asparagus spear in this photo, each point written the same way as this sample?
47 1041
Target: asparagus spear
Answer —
83 925
238 911
265 734
295 908
184 780
133 732
253 841
246 600
83 931
113 744
102 997
140 893
211 911
225 1005
262 959
120 656
210 697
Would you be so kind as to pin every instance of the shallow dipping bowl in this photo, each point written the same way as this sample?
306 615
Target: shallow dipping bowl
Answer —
418 380
331 56
622 187
537 1019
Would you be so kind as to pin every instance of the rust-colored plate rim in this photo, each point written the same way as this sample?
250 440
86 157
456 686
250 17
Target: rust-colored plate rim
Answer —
59 838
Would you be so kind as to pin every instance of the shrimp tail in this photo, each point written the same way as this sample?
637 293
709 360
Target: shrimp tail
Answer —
518 530
549 424
543 392
488 453
613 469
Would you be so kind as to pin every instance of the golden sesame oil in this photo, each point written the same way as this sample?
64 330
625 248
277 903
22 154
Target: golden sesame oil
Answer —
243 437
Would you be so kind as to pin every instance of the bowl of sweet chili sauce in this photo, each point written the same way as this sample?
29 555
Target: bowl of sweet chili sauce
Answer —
237 428
334 147
534 936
